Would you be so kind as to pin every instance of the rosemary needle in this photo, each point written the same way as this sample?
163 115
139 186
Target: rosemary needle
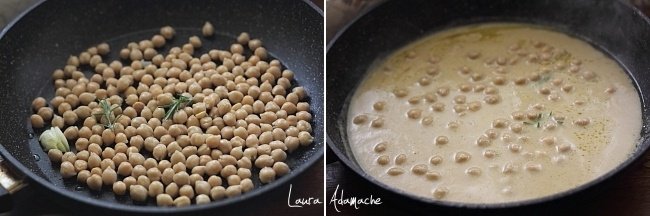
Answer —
540 119
107 114
175 105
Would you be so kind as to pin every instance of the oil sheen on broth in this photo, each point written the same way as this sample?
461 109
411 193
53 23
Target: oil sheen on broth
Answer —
493 113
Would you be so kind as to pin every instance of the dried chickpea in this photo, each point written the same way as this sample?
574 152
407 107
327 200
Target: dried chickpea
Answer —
254 44
107 163
55 155
207 29
305 138
96 171
217 193
245 163
267 175
243 38
202 187
155 188
187 191
94 182
94 160
177 157
46 113
58 121
38 103
69 157
143 180
179 167
164 200
281 168
138 170
109 177
202 199
37 121
181 178
233 190
119 188
67 169
228 170
167 32
264 161
233 180
182 201
138 193
80 165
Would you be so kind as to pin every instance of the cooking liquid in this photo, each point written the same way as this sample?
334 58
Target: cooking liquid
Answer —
581 115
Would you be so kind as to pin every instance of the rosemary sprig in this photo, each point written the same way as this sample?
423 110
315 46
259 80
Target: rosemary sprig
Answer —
176 104
107 114
545 78
540 119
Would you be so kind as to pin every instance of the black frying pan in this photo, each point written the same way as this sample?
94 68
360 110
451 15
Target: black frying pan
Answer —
612 26
42 39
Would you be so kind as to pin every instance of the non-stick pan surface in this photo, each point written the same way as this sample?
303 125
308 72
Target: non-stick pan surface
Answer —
41 41
612 26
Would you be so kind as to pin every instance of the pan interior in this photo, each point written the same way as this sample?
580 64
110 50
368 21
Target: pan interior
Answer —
31 49
353 51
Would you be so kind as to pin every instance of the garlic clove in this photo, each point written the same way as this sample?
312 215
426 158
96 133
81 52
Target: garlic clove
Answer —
53 138
64 141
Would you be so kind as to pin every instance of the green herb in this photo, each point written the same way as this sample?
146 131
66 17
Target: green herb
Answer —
107 114
545 78
176 104
540 119
563 56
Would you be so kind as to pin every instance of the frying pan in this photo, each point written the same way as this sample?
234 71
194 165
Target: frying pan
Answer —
41 40
612 26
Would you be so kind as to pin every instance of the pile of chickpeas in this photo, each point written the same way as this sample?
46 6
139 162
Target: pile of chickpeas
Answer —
245 115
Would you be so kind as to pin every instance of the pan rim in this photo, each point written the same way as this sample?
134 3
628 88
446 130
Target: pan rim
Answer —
643 146
148 209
